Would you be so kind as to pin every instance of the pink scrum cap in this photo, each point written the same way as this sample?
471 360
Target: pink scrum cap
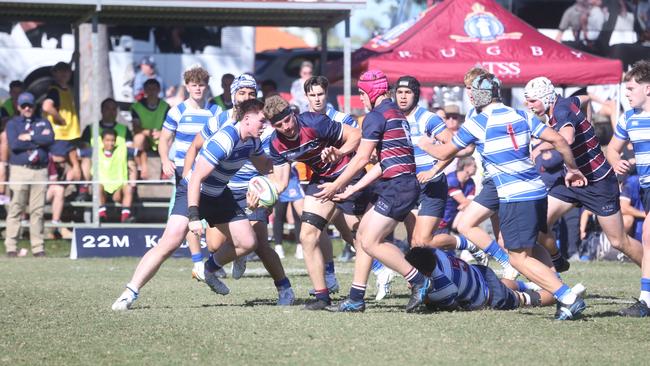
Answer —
374 83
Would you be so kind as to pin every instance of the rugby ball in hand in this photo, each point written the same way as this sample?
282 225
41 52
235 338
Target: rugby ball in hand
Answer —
265 189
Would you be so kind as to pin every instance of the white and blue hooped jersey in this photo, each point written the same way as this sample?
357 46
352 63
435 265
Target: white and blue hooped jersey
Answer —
228 153
636 128
215 123
340 117
247 172
502 136
456 283
424 124
185 123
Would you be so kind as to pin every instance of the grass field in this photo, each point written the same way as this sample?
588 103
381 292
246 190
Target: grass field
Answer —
57 311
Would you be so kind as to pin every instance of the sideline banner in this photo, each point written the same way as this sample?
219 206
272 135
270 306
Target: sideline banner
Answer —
120 242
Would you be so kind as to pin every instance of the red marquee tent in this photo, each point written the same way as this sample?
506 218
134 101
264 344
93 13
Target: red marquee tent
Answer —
451 37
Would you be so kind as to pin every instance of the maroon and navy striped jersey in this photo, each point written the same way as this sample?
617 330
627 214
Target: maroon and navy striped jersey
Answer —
388 126
316 132
586 147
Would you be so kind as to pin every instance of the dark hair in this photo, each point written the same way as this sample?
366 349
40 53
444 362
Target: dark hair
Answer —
15 84
151 82
640 72
248 106
108 131
60 66
227 76
422 259
316 81
106 101
271 83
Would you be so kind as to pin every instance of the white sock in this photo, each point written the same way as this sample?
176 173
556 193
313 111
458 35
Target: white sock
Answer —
645 296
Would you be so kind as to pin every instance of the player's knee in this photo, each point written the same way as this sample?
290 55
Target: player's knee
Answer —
247 243
309 234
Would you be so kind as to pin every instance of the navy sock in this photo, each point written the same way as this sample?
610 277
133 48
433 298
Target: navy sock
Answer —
329 267
211 264
323 295
415 277
357 292
495 251
282 284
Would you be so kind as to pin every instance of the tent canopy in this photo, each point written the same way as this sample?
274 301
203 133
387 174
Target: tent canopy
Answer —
453 36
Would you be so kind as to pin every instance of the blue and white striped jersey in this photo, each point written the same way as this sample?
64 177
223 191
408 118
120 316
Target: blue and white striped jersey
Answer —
214 124
636 128
185 123
340 117
423 123
228 153
456 283
214 108
502 137
247 172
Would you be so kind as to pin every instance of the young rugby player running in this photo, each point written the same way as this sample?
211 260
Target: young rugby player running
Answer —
208 195
635 127
243 88
601 196
182 123
502 136
326 147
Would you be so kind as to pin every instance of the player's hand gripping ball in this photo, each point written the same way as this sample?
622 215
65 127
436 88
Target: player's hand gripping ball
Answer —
265 189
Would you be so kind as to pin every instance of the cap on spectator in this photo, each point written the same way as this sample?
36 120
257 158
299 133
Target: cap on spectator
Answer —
60 66
452 109
26 98
148 60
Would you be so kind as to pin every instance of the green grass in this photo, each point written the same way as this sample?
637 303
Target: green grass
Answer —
57 311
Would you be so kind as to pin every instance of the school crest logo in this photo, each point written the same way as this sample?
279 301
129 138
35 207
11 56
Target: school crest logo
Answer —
482 26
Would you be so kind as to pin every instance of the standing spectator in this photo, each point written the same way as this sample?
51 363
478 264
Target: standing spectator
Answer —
109 110
8 109
298 96
148 116
222 102
60 110
593 24
29 140
114 173
147 71
573 18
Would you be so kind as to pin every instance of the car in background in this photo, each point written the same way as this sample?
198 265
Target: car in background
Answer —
283 65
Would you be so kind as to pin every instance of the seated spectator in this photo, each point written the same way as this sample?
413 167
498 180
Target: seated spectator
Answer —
298 96
148 116
55 195
113 174
8 110
572 19
269 88
109 115
632 206
147 71
223 101
29 139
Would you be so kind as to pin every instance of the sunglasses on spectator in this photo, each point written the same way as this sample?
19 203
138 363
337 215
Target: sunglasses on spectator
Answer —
26 105
453 116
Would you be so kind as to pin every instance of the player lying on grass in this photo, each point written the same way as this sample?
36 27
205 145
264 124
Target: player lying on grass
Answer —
461 286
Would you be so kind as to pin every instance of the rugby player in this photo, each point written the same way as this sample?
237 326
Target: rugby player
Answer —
601 195
502 136
635 127
181 124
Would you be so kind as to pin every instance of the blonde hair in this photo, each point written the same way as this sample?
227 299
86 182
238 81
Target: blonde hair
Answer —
196 74
274 105
472 74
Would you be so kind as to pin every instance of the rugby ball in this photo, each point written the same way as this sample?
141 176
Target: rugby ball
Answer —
265 189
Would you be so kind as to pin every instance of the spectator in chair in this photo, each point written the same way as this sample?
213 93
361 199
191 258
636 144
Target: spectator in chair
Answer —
148 116
29 139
